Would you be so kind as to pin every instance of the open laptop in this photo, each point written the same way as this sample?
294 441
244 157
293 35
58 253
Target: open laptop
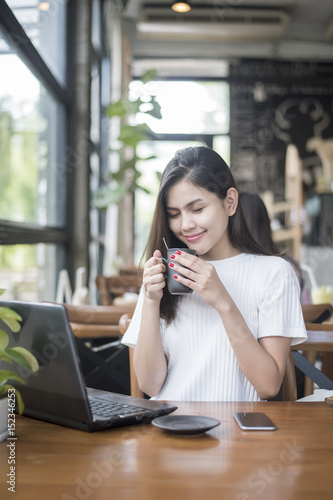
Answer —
57 392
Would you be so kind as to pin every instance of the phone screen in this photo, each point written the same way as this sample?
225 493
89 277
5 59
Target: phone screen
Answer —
251 421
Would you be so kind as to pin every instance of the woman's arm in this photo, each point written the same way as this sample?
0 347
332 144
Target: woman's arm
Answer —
150 363
264 362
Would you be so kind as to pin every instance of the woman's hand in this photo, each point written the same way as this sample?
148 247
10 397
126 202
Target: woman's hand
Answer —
153 277
201 277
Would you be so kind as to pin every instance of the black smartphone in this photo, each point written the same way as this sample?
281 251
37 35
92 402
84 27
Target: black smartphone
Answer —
252 421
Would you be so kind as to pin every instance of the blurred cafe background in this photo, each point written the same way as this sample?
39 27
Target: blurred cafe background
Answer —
97 95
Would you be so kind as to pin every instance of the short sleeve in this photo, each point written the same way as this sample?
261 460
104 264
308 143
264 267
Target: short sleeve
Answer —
280 310
131 335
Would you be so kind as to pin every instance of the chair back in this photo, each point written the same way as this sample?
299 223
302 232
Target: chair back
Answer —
89 321
110 287
320 340
317 313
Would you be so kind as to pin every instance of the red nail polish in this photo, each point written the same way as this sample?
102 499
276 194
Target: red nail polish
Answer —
171 264
178 252
172 256
175 276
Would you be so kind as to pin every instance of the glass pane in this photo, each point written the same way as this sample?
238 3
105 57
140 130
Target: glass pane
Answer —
32 153
145 203
188 107
221 144
45 25
27 272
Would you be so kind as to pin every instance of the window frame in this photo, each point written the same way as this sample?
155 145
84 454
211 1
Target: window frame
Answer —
20 233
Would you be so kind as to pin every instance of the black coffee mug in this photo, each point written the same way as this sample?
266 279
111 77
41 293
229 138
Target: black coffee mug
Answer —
174 287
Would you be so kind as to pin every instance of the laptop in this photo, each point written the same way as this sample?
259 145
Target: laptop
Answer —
57 392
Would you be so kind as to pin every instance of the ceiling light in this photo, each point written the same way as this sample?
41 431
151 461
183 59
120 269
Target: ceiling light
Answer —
181 7
44 6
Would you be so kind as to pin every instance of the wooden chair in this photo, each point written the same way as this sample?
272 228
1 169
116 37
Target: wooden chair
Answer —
320 340
95 321
291 234
110 287
317 313
124 322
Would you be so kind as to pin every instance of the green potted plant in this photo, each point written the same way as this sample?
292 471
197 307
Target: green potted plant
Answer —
127 178
11 355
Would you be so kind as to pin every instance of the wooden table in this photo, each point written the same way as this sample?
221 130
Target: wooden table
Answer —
145 463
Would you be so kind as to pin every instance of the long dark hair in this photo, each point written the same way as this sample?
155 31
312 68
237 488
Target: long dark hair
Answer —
259 224
258 220
204 168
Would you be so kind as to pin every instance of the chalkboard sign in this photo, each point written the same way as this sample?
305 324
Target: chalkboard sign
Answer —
281 71
271 106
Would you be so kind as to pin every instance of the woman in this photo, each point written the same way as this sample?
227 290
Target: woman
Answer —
230 338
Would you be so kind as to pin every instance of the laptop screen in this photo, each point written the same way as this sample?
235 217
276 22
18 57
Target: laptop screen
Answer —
58 387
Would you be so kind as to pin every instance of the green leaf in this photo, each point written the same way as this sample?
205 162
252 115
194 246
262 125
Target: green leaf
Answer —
4 340
137 175
4 356
2 290
130 135
12 324
6 375
17 358
155 112
30 358
146 158
117 108
23 358
123 108
6 313
11 318
117 177
134 106
107 195
126 164
149 75
148 191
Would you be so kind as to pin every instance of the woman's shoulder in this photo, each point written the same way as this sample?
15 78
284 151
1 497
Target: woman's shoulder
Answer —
268 261
268 267
273 263
255 264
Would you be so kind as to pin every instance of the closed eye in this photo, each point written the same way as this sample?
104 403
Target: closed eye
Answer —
173 216
195 211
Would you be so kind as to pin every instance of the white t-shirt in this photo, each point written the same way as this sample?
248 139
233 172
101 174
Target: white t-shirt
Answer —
202 365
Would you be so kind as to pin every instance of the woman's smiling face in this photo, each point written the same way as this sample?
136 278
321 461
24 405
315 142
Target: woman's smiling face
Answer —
200 219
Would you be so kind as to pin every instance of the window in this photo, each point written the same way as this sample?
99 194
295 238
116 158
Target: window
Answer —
193 113
32 185
34 168
188 107
45 25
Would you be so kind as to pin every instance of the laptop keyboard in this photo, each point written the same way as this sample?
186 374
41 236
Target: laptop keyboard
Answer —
108 409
